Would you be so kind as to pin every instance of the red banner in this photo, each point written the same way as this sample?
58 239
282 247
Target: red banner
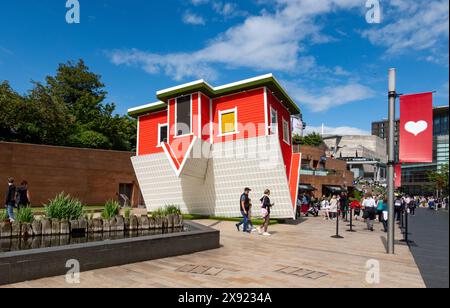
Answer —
416 128
398 176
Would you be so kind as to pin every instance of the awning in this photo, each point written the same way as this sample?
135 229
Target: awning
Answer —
336 189
306 187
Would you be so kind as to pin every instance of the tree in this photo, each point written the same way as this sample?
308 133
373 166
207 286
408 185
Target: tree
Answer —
67 110
439 178
312 139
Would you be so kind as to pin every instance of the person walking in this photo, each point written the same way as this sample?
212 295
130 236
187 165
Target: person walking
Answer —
380 201
344 206
385 214
412 206
23 195
369 206
244 206
10 200
266 207
398 208
325 207
334 204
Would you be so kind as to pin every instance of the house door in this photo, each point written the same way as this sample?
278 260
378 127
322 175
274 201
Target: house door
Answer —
125 194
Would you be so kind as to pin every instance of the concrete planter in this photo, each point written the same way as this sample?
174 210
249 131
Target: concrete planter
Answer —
56 226
46 226
15 229
169 221
152 223
177 221
106 225
113 225
36 225
97 225
165 222
83 224
120 224
159 223
26 230
74 225
64 227
144 223
134 225
5 229
126 224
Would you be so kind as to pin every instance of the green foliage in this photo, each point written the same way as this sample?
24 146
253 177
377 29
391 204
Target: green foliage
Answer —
439 178
127 213
111 209
313 140
68 110
64 207
25 215
3 215
172 210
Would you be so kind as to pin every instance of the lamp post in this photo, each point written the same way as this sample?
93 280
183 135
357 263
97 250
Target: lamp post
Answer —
391 160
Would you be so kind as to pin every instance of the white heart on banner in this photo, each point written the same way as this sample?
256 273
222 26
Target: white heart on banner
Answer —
416 128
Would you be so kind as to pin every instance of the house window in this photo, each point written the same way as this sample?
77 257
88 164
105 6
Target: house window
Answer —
273 121
286 137
163 134
184 117
228 122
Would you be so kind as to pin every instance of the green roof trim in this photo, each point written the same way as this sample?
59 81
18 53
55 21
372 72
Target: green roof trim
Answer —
268 81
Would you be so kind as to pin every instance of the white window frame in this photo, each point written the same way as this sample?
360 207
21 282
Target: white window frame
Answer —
288 141
221 113
159 145
273 110
176 118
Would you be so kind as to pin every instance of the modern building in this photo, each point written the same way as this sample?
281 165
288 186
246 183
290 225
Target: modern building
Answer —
415 176
321 174
199 146
365 155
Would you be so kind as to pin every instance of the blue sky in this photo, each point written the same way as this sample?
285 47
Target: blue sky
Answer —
329 58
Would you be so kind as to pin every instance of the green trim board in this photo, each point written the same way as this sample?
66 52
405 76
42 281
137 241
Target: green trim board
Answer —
268 81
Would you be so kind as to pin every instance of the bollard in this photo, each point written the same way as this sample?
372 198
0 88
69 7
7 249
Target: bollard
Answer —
337 236
351 222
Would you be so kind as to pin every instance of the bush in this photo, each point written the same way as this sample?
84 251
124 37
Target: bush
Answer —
127 213
25 215
64 207
111 209
172 210
3 215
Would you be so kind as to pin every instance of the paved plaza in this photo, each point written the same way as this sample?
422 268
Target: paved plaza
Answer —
302 255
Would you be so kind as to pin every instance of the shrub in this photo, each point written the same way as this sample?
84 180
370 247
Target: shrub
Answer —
64 207
172 210
25 215
3 215
159 213
111 209
127 213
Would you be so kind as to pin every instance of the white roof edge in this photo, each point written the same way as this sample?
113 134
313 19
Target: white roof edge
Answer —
146 106
243 82
193 83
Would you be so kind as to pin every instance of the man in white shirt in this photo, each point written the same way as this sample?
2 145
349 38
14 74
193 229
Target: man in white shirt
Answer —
369 206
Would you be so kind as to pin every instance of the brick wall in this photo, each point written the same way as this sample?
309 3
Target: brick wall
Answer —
93 176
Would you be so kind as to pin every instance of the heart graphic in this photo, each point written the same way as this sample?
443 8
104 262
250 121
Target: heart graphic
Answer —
416 128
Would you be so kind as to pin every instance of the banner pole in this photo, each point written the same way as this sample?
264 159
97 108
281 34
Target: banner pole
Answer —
391 160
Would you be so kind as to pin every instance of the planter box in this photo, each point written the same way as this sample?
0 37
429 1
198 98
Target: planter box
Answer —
134 223
49 262
74 225
178 221
15 229
169 221
56 226
83 224
152 223
46 226
106 225
97 225
64 227
36 225
113 225
126 224
144 223
5 229
159 223
26 230
120 224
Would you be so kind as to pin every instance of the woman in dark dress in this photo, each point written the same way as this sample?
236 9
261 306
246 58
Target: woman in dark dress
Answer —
266 206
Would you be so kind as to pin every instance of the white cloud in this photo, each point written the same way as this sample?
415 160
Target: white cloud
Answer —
193 19
322 99
342 130
420 25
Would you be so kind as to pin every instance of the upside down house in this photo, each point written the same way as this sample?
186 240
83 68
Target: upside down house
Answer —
199 146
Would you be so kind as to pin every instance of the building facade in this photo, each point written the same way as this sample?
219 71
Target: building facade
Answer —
200 146
321 174
365 155
93 176
415 176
